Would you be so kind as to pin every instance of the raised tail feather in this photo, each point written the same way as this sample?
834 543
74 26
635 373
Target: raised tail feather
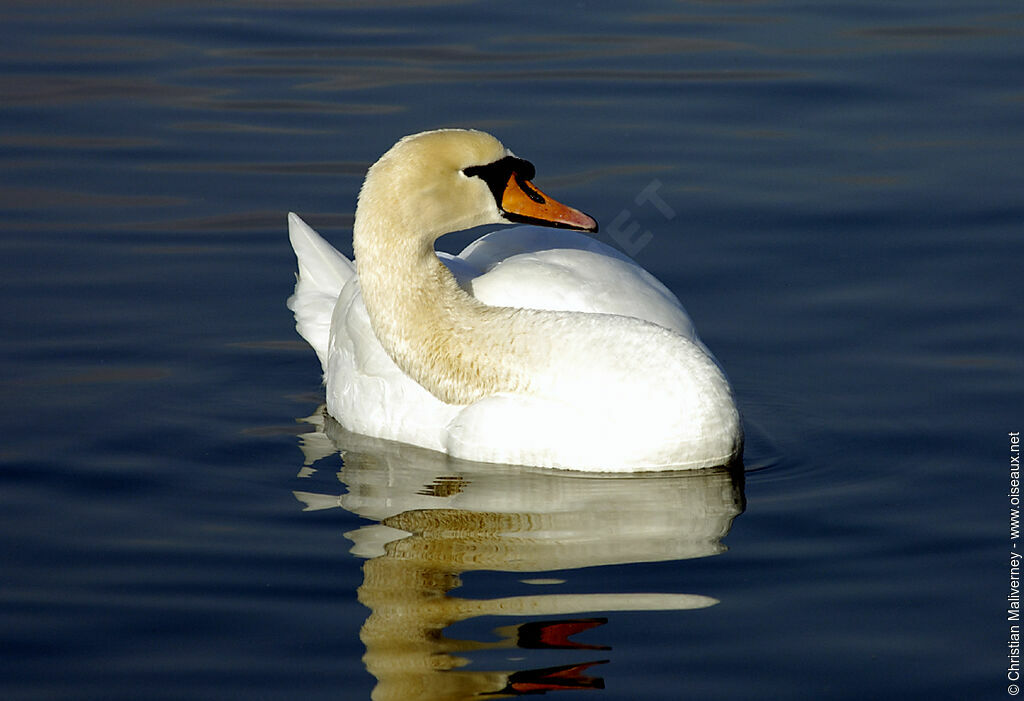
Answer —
322 273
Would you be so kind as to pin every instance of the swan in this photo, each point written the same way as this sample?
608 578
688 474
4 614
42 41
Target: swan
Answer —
533 346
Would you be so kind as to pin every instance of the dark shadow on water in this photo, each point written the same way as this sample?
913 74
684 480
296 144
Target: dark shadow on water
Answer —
435 518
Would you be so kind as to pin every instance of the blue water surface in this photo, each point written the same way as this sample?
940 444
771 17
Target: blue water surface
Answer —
842 214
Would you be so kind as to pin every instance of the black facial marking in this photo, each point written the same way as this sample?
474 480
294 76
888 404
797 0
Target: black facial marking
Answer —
496 176
530 191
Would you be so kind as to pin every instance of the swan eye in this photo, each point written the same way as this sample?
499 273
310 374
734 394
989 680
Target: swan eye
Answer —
502 169
497 174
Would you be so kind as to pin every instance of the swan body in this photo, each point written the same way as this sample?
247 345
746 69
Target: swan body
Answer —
533 346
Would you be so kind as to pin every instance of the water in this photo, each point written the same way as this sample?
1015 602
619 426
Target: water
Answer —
842 212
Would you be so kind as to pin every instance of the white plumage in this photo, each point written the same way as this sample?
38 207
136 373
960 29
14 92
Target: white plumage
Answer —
540 346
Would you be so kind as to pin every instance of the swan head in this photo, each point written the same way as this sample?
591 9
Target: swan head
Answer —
436 182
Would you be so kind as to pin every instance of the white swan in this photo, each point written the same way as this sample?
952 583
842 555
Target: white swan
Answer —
533 346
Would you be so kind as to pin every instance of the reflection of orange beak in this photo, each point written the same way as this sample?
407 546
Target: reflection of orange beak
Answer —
554 635
539 681
522 202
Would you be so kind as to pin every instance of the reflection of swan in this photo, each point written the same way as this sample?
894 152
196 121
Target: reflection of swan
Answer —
439 516
544 348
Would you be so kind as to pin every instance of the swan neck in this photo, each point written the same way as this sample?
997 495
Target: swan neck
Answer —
431 328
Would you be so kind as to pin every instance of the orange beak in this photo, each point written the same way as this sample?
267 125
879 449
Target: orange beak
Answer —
522 202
